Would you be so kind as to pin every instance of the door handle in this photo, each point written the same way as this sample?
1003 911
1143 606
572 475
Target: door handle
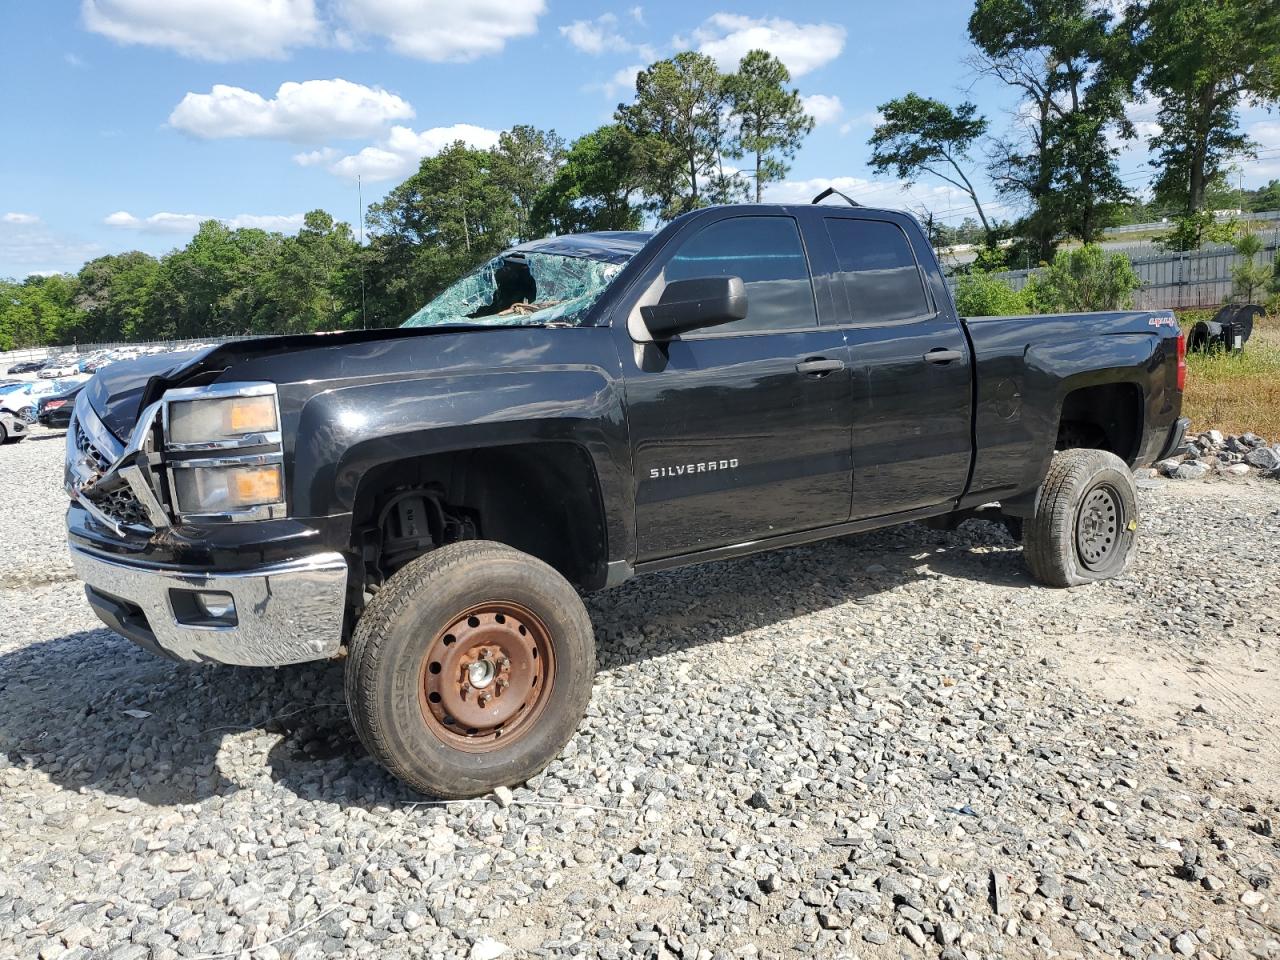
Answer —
819 366
941 355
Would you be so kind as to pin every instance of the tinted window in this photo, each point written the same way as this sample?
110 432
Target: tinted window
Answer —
767 254
878 270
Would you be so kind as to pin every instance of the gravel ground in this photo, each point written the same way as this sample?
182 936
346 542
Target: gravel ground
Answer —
885 746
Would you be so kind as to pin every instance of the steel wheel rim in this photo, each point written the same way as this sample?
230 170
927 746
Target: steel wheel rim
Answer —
1099 526
486 676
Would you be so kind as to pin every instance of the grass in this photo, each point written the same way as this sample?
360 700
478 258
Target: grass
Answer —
1236 393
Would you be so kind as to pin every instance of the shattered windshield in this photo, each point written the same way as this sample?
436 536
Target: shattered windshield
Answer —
519 289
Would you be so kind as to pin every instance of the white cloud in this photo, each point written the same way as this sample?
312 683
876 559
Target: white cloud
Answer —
595 36
1259 172
441 30
207 29
316 158
22 219
398 154
188 223
823 108
302 112
727 37
602 35
621 83
868 119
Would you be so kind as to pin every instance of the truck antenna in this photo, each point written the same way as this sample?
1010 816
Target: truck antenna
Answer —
832 191
364 316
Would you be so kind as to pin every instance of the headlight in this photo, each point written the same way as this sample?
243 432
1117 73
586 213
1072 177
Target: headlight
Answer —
227 489
225 418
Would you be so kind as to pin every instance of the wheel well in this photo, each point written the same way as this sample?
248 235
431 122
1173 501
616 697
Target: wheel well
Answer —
1103 417
541 498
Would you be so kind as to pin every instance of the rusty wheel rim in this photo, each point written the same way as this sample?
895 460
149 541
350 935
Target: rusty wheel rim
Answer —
486 676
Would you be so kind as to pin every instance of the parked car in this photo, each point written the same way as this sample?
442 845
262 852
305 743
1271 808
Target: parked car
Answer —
429 500
54 410
67 365
12 428
24 401
27 366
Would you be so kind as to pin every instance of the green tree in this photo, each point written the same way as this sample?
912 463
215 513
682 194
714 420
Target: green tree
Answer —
113 294
1072 69
308 284
678 120
37 310
771 122
1250 277
595 186
450 216
921 135
1266 198
1202 59
979 294
1193 230
216 285
1085 278
525 162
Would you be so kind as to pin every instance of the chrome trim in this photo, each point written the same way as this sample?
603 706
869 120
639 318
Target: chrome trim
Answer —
274 438
286 613
155 511
248 460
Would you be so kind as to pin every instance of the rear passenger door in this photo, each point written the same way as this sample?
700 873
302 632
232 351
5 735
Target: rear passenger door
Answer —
910 364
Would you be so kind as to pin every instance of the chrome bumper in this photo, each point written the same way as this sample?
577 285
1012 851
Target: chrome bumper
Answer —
285 613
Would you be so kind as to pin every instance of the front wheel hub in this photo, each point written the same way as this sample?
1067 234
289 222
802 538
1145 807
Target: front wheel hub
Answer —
486 676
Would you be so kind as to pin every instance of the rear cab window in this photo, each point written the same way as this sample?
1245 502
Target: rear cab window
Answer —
878 271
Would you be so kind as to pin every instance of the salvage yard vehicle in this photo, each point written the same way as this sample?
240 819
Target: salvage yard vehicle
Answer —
430 500
12 428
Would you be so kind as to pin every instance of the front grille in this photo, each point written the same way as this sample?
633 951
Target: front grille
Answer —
96 458
118 504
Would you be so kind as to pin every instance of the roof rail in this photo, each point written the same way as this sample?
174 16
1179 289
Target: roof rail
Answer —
832 191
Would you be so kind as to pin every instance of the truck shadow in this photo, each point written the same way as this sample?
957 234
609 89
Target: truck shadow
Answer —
212 731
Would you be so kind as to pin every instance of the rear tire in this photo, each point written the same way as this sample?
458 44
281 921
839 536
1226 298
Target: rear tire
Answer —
470 669
1086 520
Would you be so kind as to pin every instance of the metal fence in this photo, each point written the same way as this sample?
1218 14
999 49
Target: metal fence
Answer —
1200 278
1263 216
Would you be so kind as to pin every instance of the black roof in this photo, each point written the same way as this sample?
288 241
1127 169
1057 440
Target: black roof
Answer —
612 246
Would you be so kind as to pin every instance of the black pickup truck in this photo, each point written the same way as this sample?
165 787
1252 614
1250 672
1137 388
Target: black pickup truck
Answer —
430 500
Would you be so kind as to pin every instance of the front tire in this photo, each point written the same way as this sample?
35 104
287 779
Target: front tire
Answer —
1086 520
470 669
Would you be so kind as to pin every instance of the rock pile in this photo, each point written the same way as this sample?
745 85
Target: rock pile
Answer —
1214 452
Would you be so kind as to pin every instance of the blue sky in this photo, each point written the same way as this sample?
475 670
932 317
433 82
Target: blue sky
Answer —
128 121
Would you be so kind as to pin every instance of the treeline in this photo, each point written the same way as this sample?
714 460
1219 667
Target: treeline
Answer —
693 135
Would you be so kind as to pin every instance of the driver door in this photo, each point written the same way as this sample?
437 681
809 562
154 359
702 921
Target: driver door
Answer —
740 432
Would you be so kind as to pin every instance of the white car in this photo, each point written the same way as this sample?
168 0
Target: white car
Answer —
26 396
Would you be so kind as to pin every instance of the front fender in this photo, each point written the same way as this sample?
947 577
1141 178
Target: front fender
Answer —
347 431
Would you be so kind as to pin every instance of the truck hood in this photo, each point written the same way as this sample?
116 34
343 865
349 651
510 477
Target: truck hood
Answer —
120 391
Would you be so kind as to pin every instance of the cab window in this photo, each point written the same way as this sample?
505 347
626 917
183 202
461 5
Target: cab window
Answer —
768 256
878 270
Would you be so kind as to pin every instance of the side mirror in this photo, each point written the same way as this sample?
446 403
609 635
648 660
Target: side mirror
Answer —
695 303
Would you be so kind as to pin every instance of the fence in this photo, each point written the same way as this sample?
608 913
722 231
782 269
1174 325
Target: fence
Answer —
1261 215
1200 278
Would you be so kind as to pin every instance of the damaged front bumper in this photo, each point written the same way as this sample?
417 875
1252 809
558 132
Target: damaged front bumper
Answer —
268 616
275 613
